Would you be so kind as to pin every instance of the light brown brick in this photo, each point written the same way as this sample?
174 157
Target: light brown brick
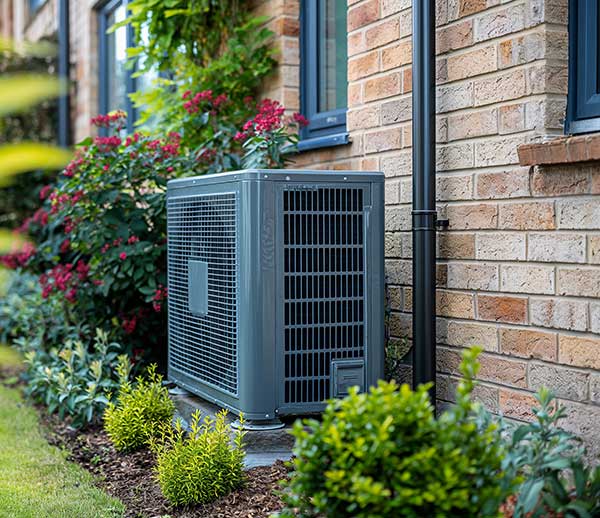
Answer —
502 87
454 37
356 43
500 23
383 140
383 33
363 118
398 272
563 248
454 187
472 216
454 97
583 420
505 372
511 118
382 87
397 165
456 246
500 246
517 405
579 351
454 304
396 111
579 213
560 181
469 334
527 343
363 14
397 56
579 282
401 325
495 152
500 308
522 49
527 216
467 7
506 184
565 383
455 156
472 63
527 279
397 218
389 7
393 244
354 94
363 66
559 313
448 360
473 124
473 276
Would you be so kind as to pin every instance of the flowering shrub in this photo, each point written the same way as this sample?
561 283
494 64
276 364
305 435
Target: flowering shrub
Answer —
103 233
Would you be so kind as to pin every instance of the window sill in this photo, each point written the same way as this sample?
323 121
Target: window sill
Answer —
339 139
562 150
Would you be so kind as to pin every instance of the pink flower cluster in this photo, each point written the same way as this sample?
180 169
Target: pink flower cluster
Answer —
18 259
192 103
72 167
105 121
64 278
270 117
129 324
159 296
107 144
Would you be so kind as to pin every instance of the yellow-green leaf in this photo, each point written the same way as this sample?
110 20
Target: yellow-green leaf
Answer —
21 91
9 241
27 48
28 156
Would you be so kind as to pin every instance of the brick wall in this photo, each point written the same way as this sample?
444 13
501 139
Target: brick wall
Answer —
519 266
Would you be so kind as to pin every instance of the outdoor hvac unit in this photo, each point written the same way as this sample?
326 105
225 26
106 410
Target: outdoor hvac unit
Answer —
276 288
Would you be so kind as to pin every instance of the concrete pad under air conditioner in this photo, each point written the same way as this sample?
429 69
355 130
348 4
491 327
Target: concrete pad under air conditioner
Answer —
263 447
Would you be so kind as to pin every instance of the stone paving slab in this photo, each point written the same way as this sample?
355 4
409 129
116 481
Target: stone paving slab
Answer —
263 447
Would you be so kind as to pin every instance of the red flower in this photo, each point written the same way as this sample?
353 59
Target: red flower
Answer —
71 295
300 119
132 240
129 325
45 191
122 256
65 246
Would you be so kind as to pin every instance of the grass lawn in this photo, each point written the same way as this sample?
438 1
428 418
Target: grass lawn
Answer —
36 480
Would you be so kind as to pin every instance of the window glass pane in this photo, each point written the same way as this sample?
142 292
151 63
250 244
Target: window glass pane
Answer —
332 58
116 55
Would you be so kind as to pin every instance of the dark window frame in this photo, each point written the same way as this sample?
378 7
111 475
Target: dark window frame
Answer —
325 128
583 101
34 6
103 12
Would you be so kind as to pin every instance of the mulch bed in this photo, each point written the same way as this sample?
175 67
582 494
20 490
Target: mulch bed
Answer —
130 478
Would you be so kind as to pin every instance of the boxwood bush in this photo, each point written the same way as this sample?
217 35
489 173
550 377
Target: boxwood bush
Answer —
383 454
140 412
201 466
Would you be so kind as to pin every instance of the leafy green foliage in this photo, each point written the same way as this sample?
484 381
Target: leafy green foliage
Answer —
140 412
384 454
198 29
75 381
550 462
202 466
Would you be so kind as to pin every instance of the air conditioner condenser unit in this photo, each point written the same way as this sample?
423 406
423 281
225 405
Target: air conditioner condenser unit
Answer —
276 288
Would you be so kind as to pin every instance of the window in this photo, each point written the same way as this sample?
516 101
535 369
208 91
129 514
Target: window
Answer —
115 79
34 5
583 108
323 72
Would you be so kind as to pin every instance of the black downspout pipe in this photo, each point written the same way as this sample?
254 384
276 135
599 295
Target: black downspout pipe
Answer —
423 202
64 103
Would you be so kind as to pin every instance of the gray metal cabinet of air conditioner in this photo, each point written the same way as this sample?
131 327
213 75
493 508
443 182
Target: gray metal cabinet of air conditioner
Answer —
276 287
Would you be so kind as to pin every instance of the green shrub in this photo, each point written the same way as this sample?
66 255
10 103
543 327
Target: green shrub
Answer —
384 454
75 380
202 466
139 413
550 463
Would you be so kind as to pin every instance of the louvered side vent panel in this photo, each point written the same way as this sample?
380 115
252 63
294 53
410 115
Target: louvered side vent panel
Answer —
204 228
324 287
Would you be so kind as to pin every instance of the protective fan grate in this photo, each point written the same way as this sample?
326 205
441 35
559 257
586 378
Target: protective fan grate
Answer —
204 228
324 287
